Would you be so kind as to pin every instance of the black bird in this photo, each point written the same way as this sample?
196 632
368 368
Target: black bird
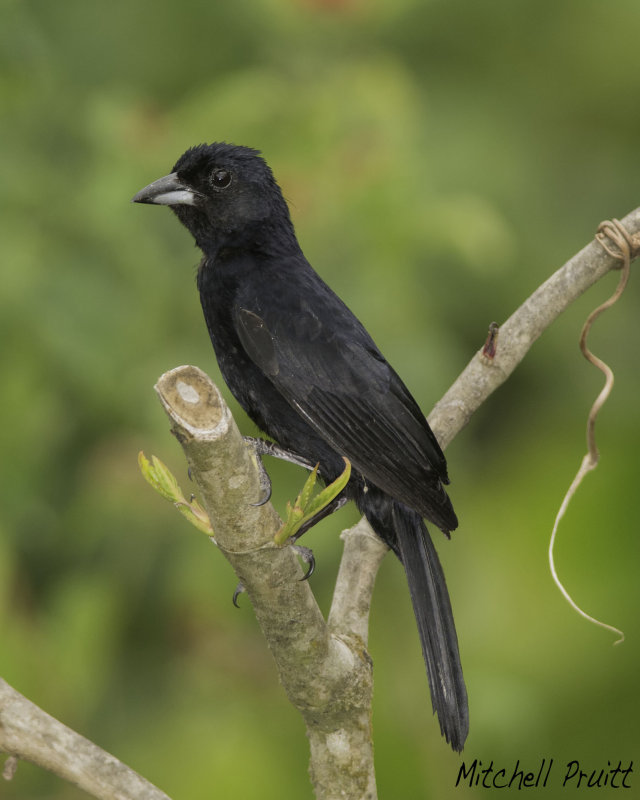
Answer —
309 375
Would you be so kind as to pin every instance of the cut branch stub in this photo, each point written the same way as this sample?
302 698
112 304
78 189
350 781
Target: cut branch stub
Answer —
226 474
223 468
325 671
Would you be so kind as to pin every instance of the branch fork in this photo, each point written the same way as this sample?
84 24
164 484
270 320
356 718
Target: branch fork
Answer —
335 700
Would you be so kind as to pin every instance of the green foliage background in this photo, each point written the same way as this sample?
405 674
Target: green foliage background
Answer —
441 160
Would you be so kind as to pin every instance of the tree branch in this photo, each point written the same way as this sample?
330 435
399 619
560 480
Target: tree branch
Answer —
325 672
482 376
324 667
29 733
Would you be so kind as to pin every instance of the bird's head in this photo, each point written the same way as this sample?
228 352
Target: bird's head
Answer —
224 194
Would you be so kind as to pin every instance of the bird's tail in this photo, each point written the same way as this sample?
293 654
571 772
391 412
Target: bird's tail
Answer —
432 609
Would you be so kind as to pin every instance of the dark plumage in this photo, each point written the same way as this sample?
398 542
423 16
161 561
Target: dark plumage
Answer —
307 372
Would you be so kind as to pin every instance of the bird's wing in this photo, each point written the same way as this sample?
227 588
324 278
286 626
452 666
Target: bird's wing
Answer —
338 381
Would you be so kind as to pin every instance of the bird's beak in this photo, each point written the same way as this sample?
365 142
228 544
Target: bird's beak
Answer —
167 191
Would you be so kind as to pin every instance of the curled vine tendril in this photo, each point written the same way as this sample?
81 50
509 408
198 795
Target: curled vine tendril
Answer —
625 248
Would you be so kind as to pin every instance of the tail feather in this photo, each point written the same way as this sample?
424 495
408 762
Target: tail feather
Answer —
432 609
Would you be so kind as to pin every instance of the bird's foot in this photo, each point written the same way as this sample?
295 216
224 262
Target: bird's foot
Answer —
265 480
262 447
306 554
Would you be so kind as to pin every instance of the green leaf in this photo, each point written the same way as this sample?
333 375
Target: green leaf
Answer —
306 506
331 491
307 489
158 475
196 515
154 476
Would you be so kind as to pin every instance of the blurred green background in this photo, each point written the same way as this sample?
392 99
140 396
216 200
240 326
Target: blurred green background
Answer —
441 160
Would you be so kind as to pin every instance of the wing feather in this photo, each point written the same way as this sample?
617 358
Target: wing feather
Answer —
341 384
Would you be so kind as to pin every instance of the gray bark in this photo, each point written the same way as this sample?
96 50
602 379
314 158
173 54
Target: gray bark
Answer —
324 667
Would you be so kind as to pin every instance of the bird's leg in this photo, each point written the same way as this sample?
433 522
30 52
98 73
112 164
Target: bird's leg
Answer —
305 553
262 447
334 505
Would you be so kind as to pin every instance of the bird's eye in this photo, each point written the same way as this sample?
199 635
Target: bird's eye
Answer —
220 178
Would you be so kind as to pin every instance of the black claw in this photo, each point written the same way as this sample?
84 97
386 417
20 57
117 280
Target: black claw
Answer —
265 480
307 556
239 590
266 496
310 571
